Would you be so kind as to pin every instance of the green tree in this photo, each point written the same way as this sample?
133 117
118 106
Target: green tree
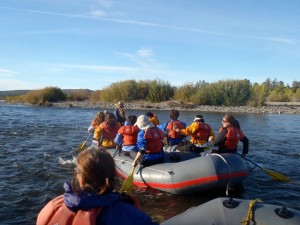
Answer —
160 91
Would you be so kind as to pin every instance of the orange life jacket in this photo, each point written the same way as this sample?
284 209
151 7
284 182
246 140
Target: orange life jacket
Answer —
130 134
203 131
56 212
232 137
109 132
154 137
172 125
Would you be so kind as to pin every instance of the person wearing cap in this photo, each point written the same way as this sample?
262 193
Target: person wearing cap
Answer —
120 113
201 134
149 142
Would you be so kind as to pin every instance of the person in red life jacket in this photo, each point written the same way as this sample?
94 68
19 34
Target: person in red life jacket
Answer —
201 134
229 135
153 118
91 198
127 135
173 127
120 113
105 134
149 142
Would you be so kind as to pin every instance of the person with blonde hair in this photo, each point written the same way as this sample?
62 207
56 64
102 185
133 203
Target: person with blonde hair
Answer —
91 198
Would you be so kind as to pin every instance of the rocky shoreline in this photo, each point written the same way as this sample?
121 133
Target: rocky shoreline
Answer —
275 108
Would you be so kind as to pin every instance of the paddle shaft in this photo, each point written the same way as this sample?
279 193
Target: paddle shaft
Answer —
81 146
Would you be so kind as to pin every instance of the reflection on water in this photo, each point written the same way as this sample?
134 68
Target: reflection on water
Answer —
39 148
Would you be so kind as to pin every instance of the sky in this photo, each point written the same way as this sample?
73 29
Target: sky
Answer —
91 44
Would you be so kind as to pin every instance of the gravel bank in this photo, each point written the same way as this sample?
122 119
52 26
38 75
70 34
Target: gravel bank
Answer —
274 108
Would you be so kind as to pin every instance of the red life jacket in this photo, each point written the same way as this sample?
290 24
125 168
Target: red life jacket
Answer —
109 132
232 137
56 212
154 137
172 125
130 134
203 131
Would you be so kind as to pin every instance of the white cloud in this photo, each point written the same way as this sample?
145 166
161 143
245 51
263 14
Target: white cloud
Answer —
145 52
98 13
6 72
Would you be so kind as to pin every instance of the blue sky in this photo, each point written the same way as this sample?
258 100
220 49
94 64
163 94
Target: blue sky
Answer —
93 43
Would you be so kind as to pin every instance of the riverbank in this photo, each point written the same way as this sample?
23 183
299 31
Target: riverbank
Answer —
273 108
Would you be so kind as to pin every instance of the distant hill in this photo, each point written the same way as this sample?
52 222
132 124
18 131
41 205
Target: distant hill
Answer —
21 92
13 93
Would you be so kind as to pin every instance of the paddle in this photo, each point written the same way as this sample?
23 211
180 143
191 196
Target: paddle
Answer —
127 185
273 174
82 146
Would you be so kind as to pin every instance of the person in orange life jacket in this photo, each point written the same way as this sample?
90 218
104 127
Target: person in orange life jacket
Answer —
127 135
201 133
98 119
153 118
149 142
120 113
229 135
173 127
105 134
91 198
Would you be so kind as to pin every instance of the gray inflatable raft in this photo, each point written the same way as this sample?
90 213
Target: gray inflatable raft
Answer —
225 211
191 173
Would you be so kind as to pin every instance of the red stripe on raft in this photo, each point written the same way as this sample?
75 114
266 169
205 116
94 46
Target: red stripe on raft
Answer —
189 183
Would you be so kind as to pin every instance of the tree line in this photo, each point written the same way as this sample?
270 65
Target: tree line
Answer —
221 93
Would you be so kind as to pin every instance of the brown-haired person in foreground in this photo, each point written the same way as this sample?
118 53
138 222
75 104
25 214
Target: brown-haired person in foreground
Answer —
229 135
91 199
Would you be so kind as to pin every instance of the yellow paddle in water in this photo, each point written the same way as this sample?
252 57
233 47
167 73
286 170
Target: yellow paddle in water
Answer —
127 185
273 174
82 146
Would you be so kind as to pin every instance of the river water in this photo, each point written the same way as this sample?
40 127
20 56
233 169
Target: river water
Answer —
38 148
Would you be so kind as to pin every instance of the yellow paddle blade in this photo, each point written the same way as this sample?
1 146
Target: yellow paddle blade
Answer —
276 175
127 185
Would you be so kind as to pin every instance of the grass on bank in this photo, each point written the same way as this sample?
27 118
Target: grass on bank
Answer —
221 93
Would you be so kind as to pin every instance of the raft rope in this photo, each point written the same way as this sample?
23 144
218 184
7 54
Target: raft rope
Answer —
250 211
229 172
